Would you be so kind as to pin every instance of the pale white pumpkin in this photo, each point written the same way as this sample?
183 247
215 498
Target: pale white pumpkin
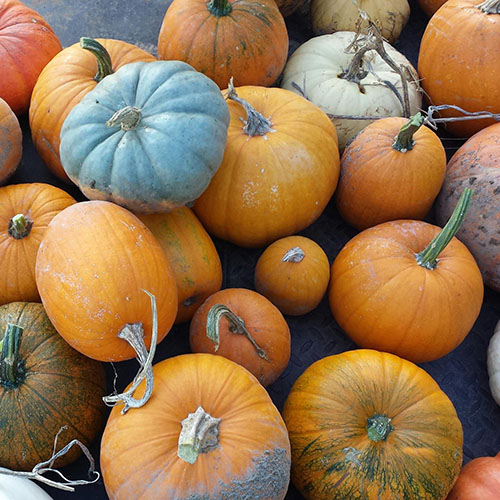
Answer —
314 70
20 488
390 16
493 362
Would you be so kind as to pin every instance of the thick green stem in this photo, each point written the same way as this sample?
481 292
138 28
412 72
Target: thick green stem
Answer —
11 366
489 6
104 64
404 140
236 326
378 427
295 254
219 8
20 226
428 257
128 118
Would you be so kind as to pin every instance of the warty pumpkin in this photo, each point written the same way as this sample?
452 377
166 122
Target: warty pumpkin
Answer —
11 142
368 424
210 430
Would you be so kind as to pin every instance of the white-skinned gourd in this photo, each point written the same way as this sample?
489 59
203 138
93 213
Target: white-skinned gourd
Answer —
493 360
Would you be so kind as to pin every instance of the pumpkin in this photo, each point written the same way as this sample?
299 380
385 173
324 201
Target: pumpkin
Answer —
244 326
344 82
69 76
95 291
458 50
11 142
407 287
476 164
288 7
279 171
493 364
430 6
244 39
293 273
221 437
20 488
25 212
390 16
27 44
368 424
148 137
44 385
479 479
191 254
393 169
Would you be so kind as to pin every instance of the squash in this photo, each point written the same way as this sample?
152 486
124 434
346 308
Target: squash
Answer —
430 6
344 82
368 424
11 142
191 254
493 364
478 480
476 164
69 76
393 169
281 154
27 44
243 39
457 51
390 16
20 489
293 273
48 385
407 287
25 212
245 327
148 137
210 430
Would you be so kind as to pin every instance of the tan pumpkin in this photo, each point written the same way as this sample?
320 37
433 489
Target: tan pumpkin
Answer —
11 142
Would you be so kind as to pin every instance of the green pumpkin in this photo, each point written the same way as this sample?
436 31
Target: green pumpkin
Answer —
149 137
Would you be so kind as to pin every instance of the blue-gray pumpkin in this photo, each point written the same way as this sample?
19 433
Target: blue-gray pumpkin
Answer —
149 137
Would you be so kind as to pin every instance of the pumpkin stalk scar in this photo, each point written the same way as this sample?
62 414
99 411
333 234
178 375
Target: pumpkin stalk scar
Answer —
295 254
20 226
128 118
219 8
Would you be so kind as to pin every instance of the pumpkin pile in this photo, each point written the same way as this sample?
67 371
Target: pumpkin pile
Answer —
271 230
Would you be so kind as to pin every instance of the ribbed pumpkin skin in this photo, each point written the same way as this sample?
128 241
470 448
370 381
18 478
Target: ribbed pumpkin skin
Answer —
92 266
27 44
61 85
11 142
40 203
430 6
379 183
383 299
168 158
252 461
253 198
191 254
249 44
61 387
333 458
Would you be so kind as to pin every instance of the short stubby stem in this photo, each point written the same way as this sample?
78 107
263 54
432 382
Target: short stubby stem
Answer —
404 140
295 254
378 427
128 118
11 365
20 226
489 7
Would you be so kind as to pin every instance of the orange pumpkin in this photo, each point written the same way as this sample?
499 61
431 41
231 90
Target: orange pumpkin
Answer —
62 84
293 273
280 168
191 254
25 212
244 39
393 169
93 265
458 61
11 142
367 424
243 326
430 6
210 430
407 287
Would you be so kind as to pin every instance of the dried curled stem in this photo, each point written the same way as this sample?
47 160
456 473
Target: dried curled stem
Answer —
468 115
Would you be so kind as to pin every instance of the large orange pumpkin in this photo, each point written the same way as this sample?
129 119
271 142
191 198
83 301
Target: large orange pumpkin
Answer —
370 425
210 430
92 267
62 84
11 142
25 212
243 39
280 168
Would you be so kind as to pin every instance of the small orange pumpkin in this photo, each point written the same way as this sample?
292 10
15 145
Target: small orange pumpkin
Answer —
243 326
293 273
11 142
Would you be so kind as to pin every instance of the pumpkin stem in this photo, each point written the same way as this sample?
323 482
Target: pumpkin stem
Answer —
133 333
355 71
20 226
128 118
489 7
11 365
104 65
199 434
295 254
379 427
256 123
219 8
429 256
404 140
236 325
